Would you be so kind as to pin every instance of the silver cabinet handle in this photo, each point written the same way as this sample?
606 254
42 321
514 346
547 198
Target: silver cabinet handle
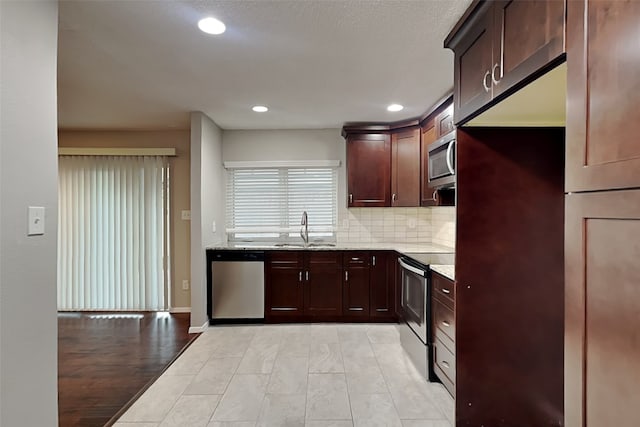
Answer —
394 197
346 276
486 87
374 260
306 275
445 323
435 196
493 74
446 291
350 198
445 364
300 276
450 157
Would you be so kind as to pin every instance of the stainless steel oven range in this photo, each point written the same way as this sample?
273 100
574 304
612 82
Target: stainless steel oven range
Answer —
415 325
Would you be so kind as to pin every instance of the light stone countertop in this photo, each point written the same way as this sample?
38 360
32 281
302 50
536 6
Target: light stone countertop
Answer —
447 270
405 248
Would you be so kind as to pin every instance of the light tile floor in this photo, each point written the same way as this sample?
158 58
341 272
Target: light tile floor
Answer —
319 375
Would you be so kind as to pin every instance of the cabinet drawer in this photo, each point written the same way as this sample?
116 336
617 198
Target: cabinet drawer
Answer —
291 259
325 258
444 322
444 365
356 259
443 288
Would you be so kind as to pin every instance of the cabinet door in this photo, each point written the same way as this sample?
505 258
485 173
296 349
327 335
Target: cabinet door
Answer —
382 292
283 284
355 286
603 95
369 170
428 195
323 285
473 59
602 306
528 34
444 122
405 168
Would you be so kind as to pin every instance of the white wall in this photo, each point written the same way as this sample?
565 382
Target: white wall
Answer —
307 144
207 206
360 225
28 177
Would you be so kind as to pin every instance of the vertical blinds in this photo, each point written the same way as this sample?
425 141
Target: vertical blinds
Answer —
111 226
267 203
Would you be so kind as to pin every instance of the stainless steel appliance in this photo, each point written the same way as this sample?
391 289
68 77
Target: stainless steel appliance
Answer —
415 325
415 328
237 293
442 161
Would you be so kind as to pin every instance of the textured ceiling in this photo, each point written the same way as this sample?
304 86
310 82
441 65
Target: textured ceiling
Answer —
315 63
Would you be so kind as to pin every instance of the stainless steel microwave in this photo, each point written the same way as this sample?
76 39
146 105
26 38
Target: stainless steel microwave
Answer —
442 162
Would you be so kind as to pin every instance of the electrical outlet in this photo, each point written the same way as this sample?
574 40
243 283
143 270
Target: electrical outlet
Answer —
185 215
411 223
185 285
213 227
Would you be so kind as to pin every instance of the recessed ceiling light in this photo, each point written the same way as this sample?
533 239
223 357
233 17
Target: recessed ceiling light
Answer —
211 26
395 107
260 109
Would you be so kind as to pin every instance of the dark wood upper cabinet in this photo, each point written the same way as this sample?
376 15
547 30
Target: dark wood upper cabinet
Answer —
603 96
444 121
405 168
369 170
433 126
499 47
428 195
527 36
473 59
602 302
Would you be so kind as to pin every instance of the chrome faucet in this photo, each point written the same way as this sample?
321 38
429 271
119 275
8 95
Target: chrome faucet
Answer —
304 231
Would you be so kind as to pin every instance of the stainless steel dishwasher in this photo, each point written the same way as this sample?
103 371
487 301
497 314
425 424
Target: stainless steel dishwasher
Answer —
237 286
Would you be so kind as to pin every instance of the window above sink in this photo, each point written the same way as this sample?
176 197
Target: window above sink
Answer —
265 204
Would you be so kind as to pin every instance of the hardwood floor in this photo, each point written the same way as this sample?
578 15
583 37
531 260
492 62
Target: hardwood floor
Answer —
104 360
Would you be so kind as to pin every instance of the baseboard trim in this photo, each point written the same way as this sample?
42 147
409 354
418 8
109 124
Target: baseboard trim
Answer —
199 329
180 310
241 321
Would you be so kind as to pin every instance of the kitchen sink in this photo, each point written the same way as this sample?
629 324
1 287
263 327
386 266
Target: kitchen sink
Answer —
302 245
321 245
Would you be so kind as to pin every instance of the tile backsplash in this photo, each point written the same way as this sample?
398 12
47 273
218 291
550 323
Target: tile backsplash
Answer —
409 225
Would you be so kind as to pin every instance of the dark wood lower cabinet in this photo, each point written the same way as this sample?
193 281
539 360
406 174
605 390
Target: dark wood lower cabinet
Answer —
602 303
323 290
337 285
284 285
355 293
382 285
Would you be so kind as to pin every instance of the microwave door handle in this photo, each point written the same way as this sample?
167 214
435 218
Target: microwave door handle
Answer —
449 159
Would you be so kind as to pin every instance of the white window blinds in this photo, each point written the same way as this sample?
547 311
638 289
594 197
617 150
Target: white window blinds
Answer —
111 233
267 203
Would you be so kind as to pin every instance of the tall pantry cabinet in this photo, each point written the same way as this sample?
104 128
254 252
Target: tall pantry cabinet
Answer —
602 231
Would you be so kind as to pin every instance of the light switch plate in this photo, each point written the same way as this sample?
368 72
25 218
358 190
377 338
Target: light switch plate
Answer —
36 221
186 215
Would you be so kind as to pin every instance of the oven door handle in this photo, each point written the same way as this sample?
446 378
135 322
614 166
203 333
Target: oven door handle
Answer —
412 268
